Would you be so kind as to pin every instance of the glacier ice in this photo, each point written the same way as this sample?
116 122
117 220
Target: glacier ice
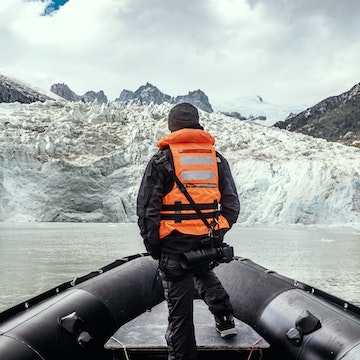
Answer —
83 162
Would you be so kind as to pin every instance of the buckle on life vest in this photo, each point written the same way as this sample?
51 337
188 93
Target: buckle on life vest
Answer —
177 216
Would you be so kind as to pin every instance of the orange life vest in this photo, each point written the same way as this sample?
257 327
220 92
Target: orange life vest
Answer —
195 165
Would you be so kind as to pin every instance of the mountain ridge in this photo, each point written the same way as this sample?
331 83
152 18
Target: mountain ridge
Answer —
65 92
148 93
336 118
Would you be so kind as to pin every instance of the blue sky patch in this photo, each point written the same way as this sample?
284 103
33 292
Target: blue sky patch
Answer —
54 5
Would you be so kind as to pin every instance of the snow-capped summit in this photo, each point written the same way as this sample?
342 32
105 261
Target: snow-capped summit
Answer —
256 108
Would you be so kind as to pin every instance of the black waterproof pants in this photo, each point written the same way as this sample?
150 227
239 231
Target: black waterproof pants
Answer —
180 286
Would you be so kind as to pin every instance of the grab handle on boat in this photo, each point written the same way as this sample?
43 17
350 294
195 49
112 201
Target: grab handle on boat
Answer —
305 324
74 325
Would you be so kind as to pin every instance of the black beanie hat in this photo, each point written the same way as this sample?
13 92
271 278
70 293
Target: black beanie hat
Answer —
182 116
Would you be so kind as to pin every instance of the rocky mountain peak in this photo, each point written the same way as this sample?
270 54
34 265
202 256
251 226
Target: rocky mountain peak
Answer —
197 98
90 96
65 92
145 94
148 93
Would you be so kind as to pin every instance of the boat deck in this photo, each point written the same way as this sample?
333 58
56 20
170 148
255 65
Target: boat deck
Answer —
143 337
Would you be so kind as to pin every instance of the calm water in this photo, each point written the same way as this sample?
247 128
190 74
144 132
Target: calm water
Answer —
37 256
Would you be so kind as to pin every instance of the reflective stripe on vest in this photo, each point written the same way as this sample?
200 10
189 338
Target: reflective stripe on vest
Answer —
198 175
196 167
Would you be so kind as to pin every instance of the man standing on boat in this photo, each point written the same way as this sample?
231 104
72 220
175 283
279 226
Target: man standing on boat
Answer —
186 202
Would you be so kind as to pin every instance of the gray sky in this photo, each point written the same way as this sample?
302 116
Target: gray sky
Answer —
289 52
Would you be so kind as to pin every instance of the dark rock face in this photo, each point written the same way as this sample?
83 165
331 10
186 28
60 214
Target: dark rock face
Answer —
197 98
336 118
149 93
65 92
90 96
14 91
145 94
235 115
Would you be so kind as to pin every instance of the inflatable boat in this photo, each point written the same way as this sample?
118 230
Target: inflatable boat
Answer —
277 318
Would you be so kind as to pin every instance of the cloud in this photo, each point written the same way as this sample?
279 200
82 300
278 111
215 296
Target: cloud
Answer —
286 51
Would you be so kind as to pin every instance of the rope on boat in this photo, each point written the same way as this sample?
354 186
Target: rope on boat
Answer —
123 346
253 347
128 357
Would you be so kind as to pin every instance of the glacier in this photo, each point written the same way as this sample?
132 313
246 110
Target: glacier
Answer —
83 162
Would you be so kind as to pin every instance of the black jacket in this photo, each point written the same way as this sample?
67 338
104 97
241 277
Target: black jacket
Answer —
156 183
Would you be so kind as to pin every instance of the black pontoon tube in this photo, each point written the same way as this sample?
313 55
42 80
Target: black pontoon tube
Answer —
298 321
292 317
100 305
